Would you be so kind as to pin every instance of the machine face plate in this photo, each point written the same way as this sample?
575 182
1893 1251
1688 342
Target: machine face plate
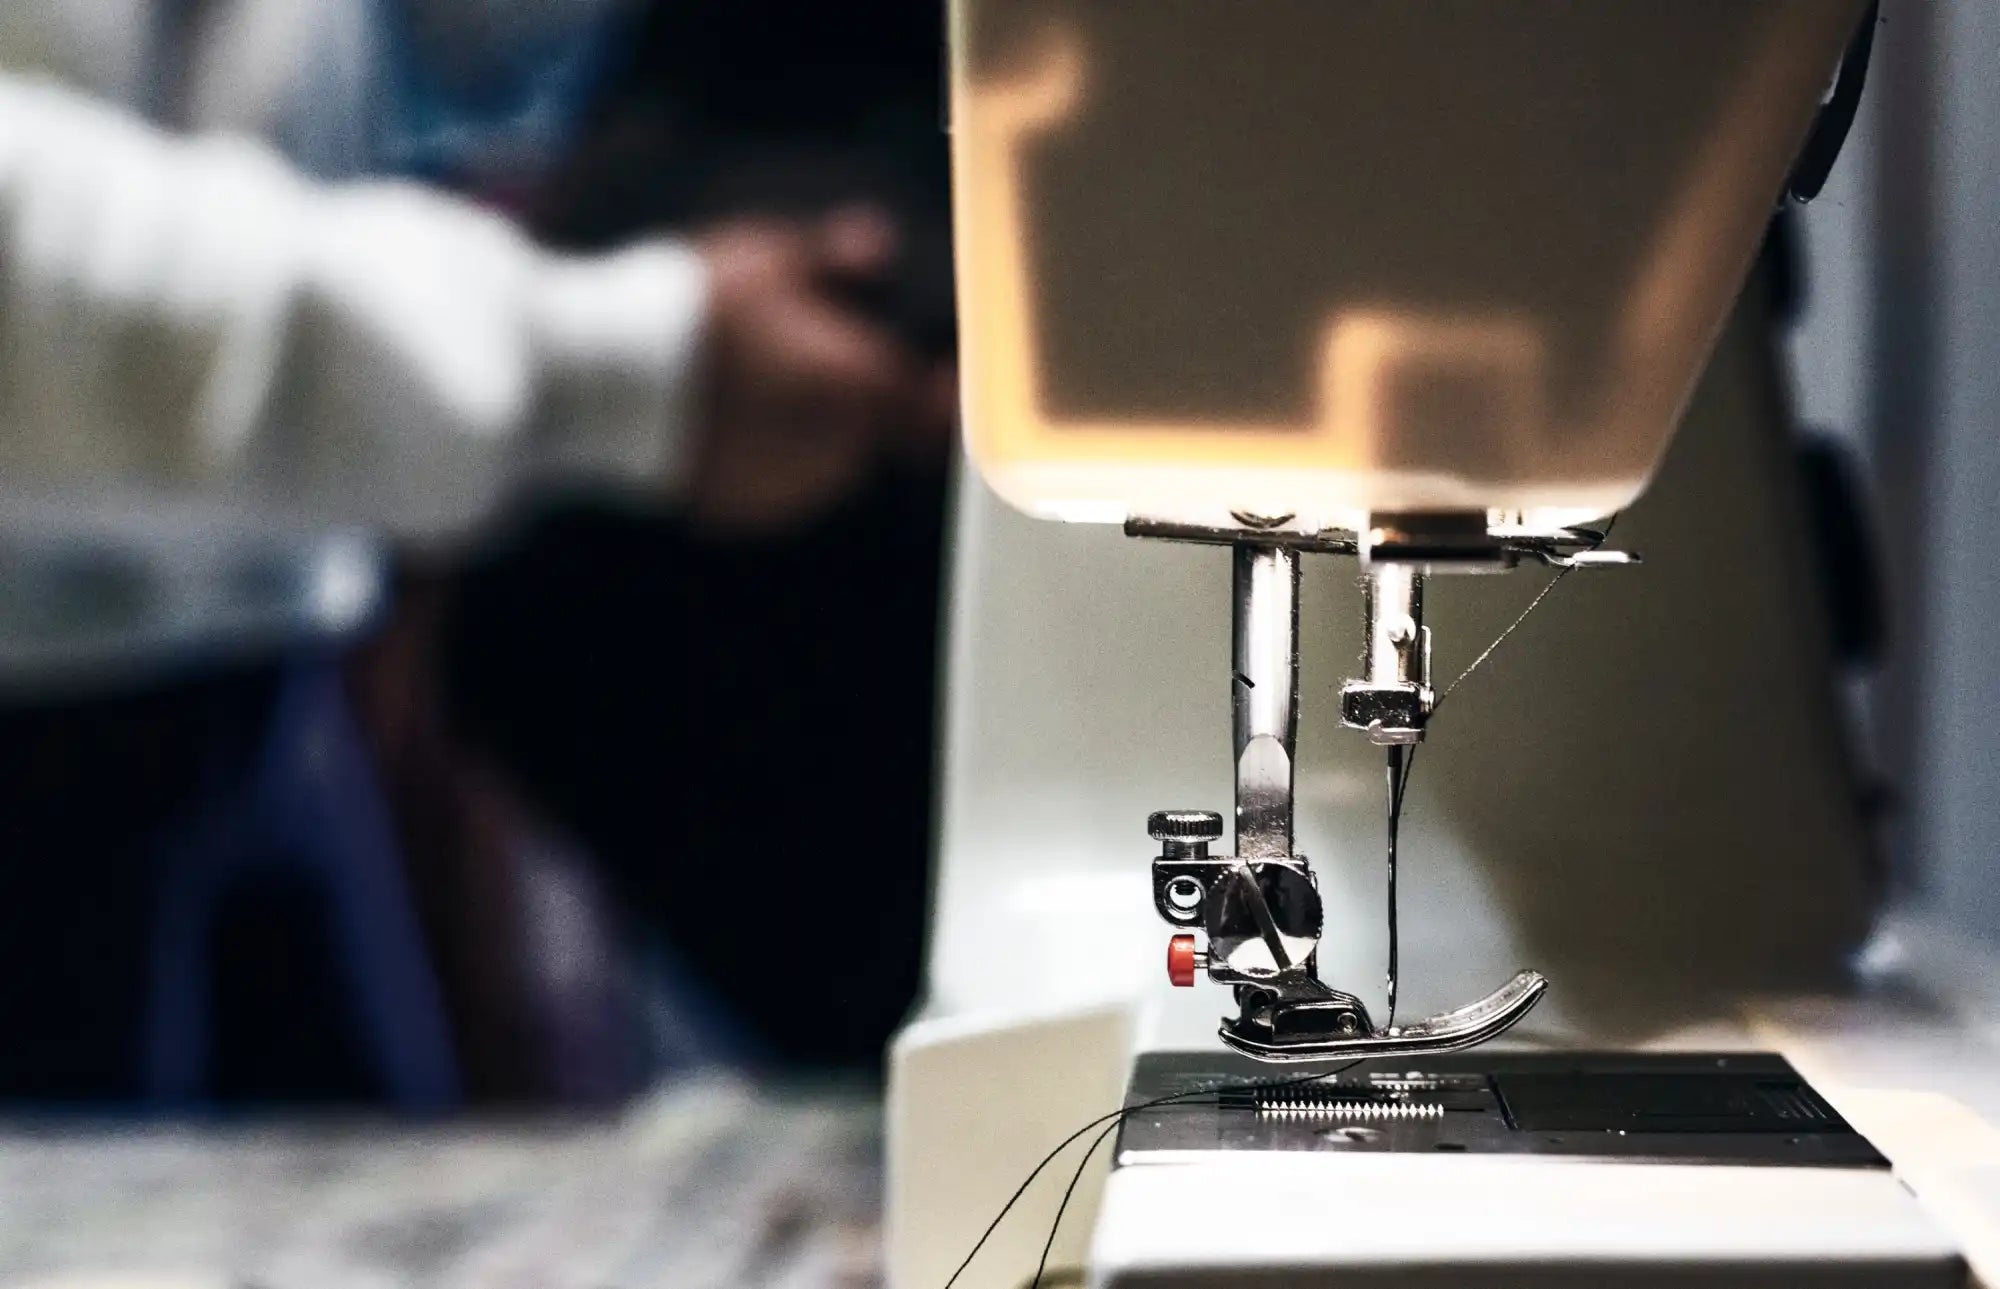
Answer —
1681 1108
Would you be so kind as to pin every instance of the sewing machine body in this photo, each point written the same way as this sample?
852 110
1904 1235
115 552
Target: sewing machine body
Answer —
1645 795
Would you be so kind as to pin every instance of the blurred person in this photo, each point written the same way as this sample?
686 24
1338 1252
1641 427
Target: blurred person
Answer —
192 313
209 355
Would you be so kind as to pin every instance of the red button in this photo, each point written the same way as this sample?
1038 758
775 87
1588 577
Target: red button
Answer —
1180 961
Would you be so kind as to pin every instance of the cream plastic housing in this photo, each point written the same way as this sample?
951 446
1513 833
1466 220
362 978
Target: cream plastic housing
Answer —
1330 257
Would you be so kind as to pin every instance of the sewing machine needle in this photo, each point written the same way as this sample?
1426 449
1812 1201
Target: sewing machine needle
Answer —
1397 778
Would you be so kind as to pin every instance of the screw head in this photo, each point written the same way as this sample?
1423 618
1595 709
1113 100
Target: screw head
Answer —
1184 825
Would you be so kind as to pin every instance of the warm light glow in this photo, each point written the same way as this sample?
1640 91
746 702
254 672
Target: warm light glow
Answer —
1418 401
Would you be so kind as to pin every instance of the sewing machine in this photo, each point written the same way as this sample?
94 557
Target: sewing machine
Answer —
1297 313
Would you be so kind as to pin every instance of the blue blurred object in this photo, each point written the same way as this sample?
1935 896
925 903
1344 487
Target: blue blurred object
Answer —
312 804
481 110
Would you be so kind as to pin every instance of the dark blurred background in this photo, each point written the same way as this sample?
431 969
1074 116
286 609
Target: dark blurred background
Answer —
690 706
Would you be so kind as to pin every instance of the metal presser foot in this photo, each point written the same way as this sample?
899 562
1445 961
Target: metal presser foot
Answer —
1262 919
1259 911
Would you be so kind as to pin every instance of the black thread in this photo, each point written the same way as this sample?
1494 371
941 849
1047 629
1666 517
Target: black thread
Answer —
1254 1085
1515 625
1042 1267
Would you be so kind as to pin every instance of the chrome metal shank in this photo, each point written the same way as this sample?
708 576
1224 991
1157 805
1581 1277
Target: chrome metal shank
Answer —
1265 691
1393 699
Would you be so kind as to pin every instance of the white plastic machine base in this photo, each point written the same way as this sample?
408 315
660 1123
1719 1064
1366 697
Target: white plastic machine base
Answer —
1414 1222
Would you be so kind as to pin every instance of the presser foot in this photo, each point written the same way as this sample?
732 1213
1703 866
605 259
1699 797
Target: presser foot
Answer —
1318 1023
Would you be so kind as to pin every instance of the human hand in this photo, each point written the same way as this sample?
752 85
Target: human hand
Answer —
801 392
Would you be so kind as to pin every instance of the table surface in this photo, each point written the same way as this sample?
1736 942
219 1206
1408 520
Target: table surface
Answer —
713 1184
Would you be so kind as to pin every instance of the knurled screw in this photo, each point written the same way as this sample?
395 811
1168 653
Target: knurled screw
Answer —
1184 834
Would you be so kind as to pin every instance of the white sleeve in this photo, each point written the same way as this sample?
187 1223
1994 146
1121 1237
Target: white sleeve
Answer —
190 312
